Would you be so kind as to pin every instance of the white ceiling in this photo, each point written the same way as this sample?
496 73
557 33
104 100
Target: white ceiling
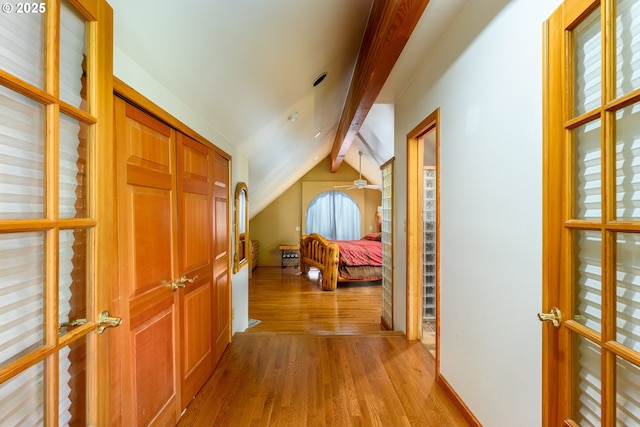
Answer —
246 65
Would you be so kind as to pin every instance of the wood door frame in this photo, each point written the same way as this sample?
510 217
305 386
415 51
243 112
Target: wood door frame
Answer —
415 166
106 241
552 218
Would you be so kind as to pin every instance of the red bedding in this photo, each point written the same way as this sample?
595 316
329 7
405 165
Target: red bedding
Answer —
360 252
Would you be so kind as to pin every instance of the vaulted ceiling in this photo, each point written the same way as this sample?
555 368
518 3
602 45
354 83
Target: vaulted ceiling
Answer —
247 67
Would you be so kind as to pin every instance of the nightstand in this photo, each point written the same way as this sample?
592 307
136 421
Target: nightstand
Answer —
289 253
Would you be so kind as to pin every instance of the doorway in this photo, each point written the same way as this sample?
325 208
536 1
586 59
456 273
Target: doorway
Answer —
422 233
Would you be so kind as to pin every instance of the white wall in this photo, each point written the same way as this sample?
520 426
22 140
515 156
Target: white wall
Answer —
486 78
129 72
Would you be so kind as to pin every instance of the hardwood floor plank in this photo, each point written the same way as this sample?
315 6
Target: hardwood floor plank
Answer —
320 359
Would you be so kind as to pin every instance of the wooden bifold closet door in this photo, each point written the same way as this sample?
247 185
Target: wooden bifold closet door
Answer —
169 239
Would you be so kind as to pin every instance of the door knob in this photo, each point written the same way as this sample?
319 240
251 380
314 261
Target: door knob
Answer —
555 317
72 324
182 283
184 280
175 285
105 321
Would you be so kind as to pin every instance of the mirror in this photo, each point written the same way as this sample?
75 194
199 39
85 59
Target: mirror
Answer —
241 257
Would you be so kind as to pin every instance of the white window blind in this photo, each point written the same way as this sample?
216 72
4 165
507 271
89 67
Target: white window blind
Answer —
628 326
588 279
587 411
21 156
72 52
628 164
588 170
22 398
21 294
627 394
22 46
628 290
588 72
627 46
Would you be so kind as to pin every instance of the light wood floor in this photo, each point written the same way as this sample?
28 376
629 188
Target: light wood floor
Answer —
320 359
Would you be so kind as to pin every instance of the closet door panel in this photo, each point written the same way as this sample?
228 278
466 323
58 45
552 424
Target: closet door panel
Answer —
154 383
223 327
222 283
146 341
151 251
195 213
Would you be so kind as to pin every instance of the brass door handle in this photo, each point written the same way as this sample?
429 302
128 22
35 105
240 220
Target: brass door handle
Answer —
184 280
72 324
175 285
182 283
554 317
105 321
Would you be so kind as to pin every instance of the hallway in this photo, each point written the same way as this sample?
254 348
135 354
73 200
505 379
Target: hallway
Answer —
320 359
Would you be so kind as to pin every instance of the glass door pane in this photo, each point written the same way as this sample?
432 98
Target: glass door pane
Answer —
22 398
627 46
73 49
72 275
22 49
22 151
627 394
628 163
628 290
588 279
73 198
72 373
587 62
587 383
587 171
21 294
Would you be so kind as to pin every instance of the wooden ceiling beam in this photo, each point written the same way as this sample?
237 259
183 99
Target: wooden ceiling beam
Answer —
390 25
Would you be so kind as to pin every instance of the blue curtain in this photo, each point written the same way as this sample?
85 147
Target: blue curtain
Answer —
334 215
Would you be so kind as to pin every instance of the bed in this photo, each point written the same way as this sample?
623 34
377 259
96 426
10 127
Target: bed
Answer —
342 260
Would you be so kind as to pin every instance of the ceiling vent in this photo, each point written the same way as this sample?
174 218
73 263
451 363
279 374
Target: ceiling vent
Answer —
319 79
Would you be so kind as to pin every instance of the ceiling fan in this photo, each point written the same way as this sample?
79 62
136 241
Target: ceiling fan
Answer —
360 183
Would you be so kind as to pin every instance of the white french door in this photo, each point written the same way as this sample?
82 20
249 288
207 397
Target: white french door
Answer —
55 121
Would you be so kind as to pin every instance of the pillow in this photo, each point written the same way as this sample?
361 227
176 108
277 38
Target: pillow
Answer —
373 236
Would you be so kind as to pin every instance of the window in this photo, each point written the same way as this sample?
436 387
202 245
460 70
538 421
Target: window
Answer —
334 215
387 244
